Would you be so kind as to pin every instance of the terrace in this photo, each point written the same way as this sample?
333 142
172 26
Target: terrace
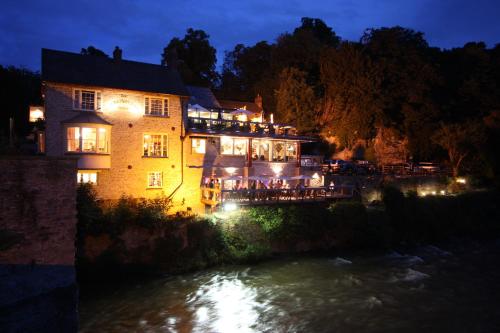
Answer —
236 122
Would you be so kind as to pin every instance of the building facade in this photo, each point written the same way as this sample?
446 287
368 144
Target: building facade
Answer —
137 130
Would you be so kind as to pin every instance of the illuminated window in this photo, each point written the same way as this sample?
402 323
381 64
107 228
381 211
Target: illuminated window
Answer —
264 150
291 151
278 151
155 145
86 177
198 146
155 179
156 106
233 146
88 100
88 140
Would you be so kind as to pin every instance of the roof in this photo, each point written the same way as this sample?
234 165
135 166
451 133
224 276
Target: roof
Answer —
202 96
67 67
86 117
250 106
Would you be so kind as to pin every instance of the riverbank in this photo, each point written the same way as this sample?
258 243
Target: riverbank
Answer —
135 237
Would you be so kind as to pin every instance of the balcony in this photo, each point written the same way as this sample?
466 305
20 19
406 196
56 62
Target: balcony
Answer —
250 197
242 128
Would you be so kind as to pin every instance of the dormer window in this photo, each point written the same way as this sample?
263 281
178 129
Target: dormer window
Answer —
154 106
87 100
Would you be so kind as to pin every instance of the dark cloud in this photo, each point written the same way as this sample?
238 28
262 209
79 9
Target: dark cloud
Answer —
143 28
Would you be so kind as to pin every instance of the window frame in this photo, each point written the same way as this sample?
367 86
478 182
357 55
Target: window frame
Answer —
98 129
233 139
81 172
164 144
193 148
165 106
149 173
77 103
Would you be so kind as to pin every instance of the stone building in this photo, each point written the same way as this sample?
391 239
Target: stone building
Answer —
138 130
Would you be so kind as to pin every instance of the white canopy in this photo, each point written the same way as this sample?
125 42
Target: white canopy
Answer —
301 177
232 178
241 111
258 178
196 107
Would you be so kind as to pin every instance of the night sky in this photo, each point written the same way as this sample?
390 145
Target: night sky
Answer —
143 28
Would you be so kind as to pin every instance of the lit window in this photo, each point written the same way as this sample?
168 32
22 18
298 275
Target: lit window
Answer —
278 151
88 100
155 179
155 145
198 145
291 151
156 106
232 146
86 177
88 139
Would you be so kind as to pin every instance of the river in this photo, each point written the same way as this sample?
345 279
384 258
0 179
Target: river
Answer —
425 289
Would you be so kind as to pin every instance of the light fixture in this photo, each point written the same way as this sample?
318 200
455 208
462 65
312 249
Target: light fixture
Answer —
230 170
230 207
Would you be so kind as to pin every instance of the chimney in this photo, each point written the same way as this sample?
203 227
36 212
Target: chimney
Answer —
258 101
117 54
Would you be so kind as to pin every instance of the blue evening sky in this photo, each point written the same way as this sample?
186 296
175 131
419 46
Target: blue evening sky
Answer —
143 28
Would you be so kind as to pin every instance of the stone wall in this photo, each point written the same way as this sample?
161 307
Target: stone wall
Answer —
37 244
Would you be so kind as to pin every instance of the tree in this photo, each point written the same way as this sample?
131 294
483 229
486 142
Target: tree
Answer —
92 51
459 141
196 58
296 102
350 102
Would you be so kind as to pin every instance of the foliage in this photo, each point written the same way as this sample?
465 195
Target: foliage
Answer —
296 102
92 51
196 57
460 141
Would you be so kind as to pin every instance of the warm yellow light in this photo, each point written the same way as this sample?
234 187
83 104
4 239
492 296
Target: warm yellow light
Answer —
230 170
443 192
36 113
277 169
230 207
461 180
433 192
315 176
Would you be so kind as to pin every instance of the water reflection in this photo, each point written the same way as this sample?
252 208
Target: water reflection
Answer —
410 292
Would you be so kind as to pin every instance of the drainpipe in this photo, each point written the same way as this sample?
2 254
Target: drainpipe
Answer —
182 137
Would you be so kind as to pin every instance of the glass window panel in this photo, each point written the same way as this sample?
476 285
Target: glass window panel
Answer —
88 100
156 106
155 145
198 145
264 150
291 151
226 145
255 149
73 138
102 144
278 151
155 179
86 177
89 139
240 146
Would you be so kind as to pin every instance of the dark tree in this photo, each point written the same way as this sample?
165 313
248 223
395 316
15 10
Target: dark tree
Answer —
92 51
196 58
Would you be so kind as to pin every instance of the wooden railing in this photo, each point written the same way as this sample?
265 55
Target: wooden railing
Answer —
214 196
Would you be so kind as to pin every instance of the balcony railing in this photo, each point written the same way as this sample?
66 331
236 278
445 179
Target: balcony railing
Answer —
214 196
206 125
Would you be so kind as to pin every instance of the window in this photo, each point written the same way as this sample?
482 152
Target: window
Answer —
86 177
155 179
278 151
198 146
233 146
156 106
88 100
291 151
88 140
155 145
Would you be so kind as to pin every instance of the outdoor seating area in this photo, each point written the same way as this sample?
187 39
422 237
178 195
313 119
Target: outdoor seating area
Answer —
216 196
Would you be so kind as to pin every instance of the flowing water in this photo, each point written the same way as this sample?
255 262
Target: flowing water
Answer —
426 289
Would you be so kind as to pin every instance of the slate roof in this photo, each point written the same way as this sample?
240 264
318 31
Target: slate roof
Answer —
202 96
86 117
250 106
67 67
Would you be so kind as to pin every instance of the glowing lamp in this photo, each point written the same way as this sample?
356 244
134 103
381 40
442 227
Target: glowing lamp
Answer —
230 207
230 170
